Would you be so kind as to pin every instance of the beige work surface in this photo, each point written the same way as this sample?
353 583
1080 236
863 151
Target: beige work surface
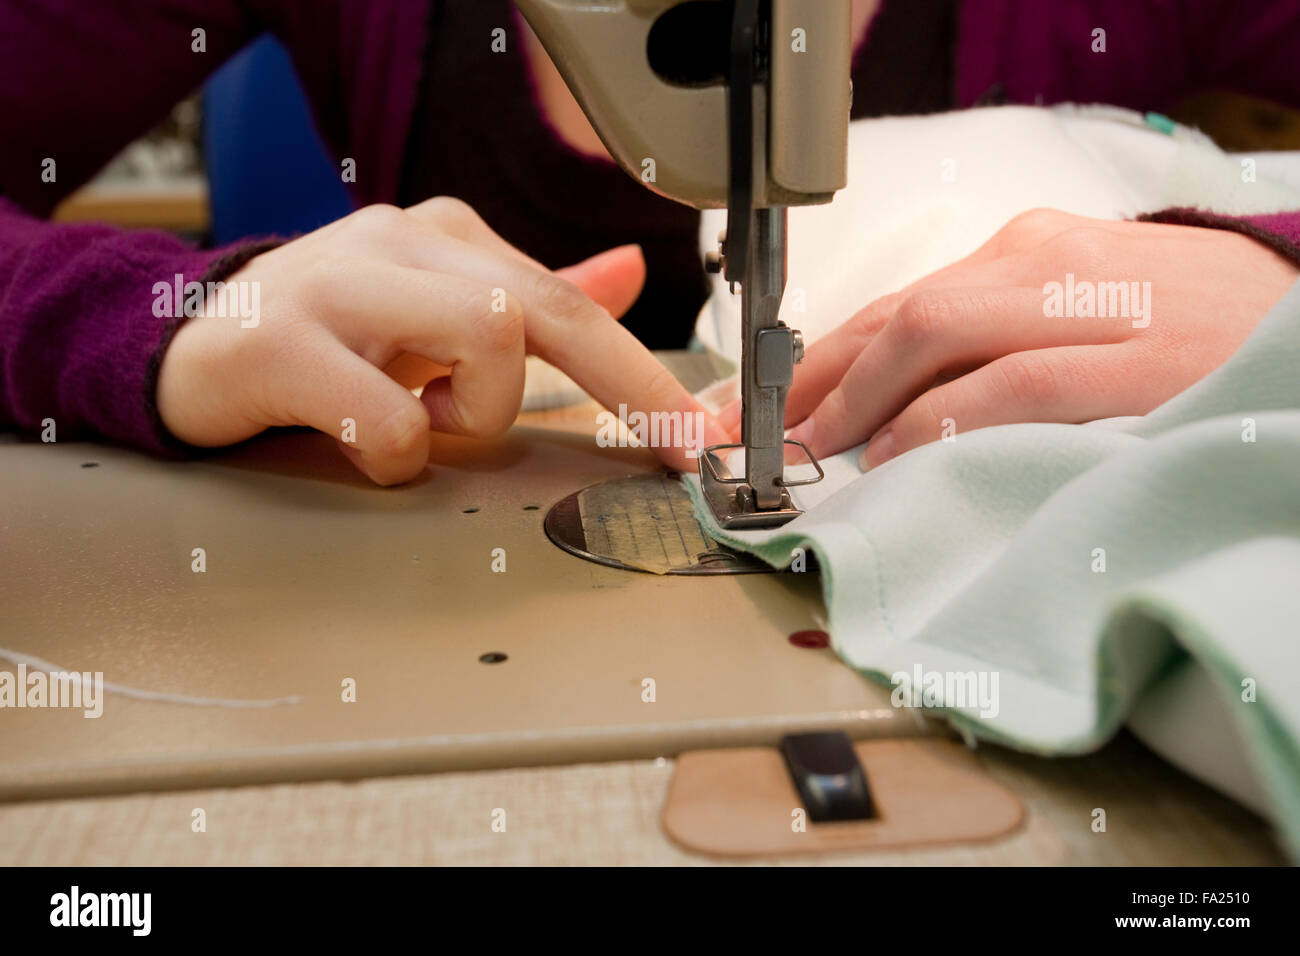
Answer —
609 814
314 576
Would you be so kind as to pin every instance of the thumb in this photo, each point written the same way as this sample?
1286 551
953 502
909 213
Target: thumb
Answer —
612 279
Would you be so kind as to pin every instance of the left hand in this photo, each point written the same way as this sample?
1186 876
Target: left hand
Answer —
974 344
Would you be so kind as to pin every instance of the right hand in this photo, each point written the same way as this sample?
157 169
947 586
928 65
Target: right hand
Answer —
356 313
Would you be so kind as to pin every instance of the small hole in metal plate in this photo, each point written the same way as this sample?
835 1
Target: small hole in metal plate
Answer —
492 657
531 507
469 511
90 464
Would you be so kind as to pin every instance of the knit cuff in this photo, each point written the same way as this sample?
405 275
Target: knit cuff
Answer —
227 262
1279 231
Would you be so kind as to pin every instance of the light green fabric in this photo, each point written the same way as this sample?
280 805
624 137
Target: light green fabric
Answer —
979 555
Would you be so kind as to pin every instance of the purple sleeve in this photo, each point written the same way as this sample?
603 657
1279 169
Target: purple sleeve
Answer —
80 342
1280 231
1155 53
79 80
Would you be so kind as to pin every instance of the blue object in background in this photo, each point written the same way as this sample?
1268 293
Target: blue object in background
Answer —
268 171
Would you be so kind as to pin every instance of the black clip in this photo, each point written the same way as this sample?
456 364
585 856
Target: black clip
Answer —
829 778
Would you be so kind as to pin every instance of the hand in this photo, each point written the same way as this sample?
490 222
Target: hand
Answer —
982 343
356 313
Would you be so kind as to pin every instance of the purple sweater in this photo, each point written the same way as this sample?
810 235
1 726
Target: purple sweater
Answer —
79 79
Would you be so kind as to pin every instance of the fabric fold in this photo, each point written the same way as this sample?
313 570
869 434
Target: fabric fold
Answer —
1084 565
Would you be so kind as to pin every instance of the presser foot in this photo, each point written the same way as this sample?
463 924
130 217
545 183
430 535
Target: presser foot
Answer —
731 498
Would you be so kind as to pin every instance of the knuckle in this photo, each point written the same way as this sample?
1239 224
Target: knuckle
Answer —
1029 228
923 416
482 419
836 422
500 332
377 218
560 298
868 322
1027 379
510 307
492 422
656 390
452 214
401 432
923 316
1032 220
659 384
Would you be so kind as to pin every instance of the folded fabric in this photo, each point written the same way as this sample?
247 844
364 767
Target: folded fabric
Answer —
1092 569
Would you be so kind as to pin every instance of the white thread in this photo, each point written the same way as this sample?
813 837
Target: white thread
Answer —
36 663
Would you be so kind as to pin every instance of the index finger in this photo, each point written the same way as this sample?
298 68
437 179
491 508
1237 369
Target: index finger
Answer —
566 328
618 371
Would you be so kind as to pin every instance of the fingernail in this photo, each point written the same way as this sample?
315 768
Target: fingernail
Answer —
879 449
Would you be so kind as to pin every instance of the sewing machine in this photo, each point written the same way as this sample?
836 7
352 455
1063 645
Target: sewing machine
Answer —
712 103
382 616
